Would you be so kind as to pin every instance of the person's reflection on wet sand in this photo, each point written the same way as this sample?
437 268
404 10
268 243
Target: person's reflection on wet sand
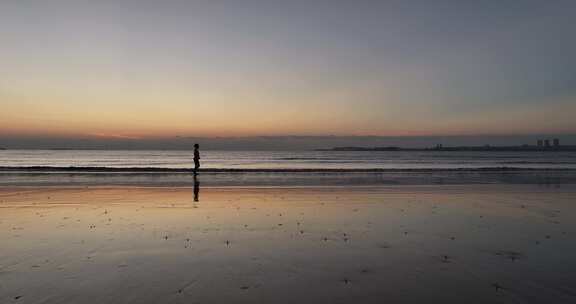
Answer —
196 188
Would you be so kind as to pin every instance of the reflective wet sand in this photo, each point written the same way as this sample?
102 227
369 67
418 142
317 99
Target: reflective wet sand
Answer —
418 244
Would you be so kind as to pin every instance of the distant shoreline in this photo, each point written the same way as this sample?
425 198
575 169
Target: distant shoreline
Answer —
459 149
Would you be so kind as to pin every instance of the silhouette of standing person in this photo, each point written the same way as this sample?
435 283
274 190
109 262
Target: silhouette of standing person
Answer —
196 158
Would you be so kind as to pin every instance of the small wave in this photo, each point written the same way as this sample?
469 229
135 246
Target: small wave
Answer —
307 158
540 162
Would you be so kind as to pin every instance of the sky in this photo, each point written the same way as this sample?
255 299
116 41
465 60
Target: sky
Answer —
143 70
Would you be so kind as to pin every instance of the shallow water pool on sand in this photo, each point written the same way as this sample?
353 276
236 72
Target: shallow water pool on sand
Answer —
397 244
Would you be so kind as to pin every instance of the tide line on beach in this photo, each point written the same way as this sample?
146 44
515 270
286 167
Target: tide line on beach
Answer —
269 170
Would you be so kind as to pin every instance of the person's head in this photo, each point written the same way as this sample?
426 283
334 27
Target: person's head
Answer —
196 146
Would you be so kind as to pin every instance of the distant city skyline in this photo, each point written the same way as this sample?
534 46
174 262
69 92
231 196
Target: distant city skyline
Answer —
148 71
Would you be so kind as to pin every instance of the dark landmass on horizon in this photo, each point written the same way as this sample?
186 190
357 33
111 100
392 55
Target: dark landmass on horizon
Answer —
486 148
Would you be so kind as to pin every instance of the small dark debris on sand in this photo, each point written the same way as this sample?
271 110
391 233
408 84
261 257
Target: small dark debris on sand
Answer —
508 254
445 259
497 286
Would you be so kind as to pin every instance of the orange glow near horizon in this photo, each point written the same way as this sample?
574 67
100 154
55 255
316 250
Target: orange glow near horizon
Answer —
137 109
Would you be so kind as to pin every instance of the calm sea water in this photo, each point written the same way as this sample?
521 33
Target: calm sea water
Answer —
288 159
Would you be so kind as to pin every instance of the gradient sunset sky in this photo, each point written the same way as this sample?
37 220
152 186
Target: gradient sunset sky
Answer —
138 69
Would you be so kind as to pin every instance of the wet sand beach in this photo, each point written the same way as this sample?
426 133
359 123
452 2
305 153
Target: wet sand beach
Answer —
386 244
287 152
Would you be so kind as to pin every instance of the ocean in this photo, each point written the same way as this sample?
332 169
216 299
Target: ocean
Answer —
286 160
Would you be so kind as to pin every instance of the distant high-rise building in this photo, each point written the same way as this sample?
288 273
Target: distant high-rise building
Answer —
547 143
556 142
540 143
